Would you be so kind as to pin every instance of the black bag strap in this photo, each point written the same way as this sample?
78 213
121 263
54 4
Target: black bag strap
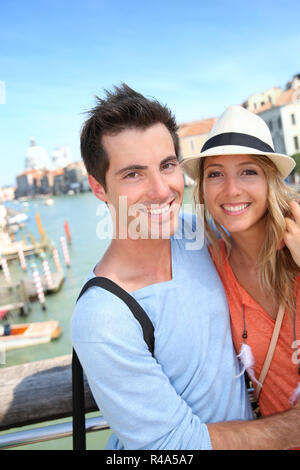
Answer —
79 439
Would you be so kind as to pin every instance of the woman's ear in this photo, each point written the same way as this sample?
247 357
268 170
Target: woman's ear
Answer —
97 188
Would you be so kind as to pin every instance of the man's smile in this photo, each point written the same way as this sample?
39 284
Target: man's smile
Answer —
156 209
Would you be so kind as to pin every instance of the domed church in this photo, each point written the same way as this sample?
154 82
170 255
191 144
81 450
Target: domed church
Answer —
37 157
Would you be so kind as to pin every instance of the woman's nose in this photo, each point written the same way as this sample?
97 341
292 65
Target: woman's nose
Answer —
232 186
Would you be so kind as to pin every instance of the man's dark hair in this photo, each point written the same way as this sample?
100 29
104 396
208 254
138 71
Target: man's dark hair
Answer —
121 109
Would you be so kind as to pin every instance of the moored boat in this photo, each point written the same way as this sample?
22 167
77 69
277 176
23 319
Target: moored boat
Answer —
49 202
28 334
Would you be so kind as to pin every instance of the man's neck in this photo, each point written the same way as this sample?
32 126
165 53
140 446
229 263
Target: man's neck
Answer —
134 264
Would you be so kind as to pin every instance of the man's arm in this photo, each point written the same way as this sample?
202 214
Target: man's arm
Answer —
145 411
277 432
130 387
139 401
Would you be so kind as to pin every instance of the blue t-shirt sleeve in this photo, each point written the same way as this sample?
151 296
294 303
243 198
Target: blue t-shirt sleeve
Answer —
132 391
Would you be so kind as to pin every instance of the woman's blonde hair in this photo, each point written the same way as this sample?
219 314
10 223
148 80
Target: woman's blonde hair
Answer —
277 270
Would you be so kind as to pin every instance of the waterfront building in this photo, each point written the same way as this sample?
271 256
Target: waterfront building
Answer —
74 172
76 176
280 109
61 157
260 101
192 136
284 124
47 182
84 185
33 182
25 183
42 177
72 177
59 183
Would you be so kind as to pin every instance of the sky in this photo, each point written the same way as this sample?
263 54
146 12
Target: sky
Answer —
196 56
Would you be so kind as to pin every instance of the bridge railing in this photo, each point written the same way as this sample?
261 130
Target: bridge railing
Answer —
38 392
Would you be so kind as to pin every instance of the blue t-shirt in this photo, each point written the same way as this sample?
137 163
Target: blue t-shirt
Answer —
163 402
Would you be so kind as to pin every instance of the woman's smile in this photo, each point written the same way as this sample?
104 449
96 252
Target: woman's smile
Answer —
236 208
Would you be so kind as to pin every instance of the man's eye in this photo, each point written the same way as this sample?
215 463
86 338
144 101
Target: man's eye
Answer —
168 165
131 175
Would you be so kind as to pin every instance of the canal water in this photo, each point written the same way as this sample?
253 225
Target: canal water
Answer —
83 212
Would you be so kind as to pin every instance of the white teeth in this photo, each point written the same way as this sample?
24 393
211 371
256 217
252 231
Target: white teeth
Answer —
159 211
235 208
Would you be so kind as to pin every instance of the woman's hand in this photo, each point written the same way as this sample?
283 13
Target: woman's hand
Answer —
292 234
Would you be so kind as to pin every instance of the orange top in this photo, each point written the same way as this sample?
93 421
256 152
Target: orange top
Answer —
283 377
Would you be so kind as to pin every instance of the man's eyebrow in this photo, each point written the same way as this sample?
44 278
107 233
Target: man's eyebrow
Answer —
169 158
144 167
131 168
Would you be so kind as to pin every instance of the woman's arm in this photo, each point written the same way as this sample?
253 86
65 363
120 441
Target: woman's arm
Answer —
292 234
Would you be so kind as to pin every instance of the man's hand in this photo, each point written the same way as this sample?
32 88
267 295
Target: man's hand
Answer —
292 234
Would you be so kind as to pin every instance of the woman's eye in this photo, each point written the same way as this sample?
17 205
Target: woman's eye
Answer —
249 172
213 174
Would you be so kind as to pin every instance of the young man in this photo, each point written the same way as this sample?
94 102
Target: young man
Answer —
187 396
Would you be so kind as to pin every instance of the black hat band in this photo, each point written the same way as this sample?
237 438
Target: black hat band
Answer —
237 138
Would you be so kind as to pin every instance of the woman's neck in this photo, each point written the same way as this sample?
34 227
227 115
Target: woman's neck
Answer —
246 246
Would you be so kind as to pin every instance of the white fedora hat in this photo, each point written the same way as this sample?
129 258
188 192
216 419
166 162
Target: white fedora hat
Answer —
238 132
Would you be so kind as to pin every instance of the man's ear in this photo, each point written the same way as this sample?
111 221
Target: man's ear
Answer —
97 188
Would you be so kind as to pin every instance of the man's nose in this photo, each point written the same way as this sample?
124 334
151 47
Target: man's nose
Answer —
158 188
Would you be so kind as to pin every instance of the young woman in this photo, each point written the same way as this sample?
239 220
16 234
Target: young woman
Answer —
256 248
